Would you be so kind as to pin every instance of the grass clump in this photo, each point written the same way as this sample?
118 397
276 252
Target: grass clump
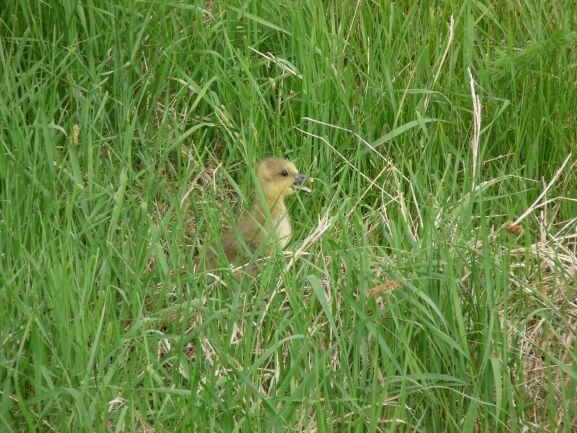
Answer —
430 283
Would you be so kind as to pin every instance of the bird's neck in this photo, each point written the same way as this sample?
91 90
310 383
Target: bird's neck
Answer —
275 206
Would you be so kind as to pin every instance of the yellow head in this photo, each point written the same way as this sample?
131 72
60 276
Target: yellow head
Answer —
278 178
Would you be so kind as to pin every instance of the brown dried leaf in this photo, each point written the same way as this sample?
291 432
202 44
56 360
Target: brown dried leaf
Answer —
387 286
514 229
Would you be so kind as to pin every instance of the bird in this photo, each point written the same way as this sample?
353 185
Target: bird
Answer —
268 222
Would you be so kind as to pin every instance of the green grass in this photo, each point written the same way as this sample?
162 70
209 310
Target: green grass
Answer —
127 130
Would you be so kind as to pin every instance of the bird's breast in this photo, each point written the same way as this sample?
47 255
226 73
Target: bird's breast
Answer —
284 230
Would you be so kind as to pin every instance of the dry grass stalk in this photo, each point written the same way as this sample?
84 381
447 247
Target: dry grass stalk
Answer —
544 193
476 126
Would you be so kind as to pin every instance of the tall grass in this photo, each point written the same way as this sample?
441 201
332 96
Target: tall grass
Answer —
127 133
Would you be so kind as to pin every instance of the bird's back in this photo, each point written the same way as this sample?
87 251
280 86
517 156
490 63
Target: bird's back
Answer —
243 239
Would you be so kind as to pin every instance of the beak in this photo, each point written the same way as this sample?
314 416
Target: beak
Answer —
300 178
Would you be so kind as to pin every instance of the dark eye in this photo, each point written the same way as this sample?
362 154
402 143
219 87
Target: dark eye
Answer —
284 173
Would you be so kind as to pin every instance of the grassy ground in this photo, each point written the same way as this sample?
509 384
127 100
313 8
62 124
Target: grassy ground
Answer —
433 286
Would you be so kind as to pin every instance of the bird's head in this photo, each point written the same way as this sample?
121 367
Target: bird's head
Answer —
279 178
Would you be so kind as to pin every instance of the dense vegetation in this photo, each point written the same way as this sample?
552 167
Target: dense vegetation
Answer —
430 284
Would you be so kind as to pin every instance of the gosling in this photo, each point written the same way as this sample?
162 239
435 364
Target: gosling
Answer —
269 221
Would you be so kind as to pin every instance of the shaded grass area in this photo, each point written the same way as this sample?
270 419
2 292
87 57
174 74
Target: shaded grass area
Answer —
406 303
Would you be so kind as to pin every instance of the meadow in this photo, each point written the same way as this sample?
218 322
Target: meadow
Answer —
430 284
